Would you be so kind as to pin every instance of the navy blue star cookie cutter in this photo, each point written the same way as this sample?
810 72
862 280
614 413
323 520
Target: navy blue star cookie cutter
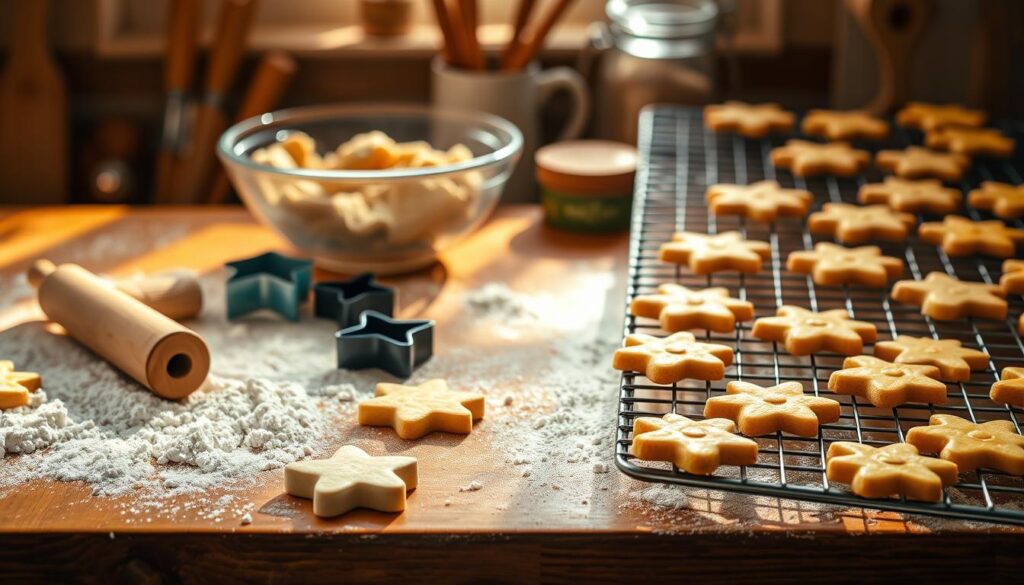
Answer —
268 281
345 300
394 345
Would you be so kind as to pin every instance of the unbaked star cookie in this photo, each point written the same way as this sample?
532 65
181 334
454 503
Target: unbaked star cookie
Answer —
844 125
1002 199
695 446
915 162
15 387
414 411
832 265
921 196
893 470
352 479
993 445
678 308
945 298
761 201
854 224
783 407
954 361
667 360
750 120
708 253
1012 281
805 159
1010 389
887 385
931 116
804 332
970 141
960 236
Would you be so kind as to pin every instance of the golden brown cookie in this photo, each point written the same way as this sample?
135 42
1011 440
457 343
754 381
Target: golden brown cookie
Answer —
970 141
915 162
15 387
832 265
892 470
922 196
678 308
960 236
750 120
1012 281
844 125
993 445
805 159
853 224
1002 199
945 298
667 360
695 446
783 407
414 411
708 253
885 384
1010 389
954 361
931 116
805 332
761 201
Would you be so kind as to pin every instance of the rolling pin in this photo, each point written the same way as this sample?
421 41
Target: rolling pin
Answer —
159 353
176 293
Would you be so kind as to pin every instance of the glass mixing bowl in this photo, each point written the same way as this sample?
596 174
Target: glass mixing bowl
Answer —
384 221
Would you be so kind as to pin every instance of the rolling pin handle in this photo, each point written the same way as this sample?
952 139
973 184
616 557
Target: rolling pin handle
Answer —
39 270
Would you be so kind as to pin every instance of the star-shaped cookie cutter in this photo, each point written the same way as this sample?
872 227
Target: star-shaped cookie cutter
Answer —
345 300
393 345
268 281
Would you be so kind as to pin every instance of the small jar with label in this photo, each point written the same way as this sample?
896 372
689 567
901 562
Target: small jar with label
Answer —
587 185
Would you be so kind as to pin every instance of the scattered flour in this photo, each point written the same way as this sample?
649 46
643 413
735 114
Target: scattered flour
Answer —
473 486
497 301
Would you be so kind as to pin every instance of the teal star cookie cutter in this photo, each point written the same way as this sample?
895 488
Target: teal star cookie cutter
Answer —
268 281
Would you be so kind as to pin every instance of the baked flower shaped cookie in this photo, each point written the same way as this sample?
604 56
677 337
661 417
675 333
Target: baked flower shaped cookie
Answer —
885 384
806 159
844 125
695 446
993 445
926 117
832 265
762 201
678 308
708 253
892 470
804 332
921 196
783 407
954 361
855 224
352 479
1012 281
915 162
1003 200
960 236
750 120
945 298
1010 389
970 141
414 411
667 360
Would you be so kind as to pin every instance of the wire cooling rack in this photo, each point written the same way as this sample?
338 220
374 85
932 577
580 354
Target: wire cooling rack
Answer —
679 160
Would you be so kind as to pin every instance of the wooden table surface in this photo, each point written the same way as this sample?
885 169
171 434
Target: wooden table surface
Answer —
534 536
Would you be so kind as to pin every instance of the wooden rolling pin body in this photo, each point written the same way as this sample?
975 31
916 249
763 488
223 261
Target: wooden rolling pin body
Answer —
159 353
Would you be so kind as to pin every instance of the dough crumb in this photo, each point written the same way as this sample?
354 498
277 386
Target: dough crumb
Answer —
247 519
600 467
473 486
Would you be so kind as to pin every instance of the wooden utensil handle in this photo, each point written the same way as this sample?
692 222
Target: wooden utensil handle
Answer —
229 44
181 44
531 45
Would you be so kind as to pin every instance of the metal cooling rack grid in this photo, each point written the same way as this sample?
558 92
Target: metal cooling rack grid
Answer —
679 161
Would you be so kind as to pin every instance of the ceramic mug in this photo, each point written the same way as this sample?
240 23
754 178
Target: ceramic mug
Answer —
517 96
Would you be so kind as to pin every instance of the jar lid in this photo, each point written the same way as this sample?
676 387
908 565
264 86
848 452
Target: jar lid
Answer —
663 19
587 167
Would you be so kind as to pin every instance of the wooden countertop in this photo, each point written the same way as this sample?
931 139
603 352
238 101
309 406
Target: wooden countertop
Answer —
615 532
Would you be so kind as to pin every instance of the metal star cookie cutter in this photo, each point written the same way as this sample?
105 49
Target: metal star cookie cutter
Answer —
378 341
345 300
268 281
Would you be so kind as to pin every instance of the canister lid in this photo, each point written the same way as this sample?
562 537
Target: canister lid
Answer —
587 167
663 19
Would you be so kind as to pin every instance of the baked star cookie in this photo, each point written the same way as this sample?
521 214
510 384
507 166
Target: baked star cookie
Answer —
854 224
804 332
993 445
931 116
921 196
1002 199
960 236
1012 281
695 446
844 125
805 159
783 407
352 479
761 201
678 308
945 298
915 162
414 411
708 253
667 360
1010 389
970 141
750 120
954 361
832 265
15 387
893 470
885 384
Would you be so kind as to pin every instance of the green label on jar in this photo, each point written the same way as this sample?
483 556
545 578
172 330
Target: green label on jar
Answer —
589 214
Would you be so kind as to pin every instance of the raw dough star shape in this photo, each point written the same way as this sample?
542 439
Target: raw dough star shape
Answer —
352 479
804 158
750 120
16 386
854 224
931 116
784 407
970 141
921 196
1012 281
666 360
414 411
679 308
960 236
804 332
915 162
1002 199
1010 389
954 361
844 125
697 447
992 445
887 385
707 253
945 298
892 470
832 265
762 201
